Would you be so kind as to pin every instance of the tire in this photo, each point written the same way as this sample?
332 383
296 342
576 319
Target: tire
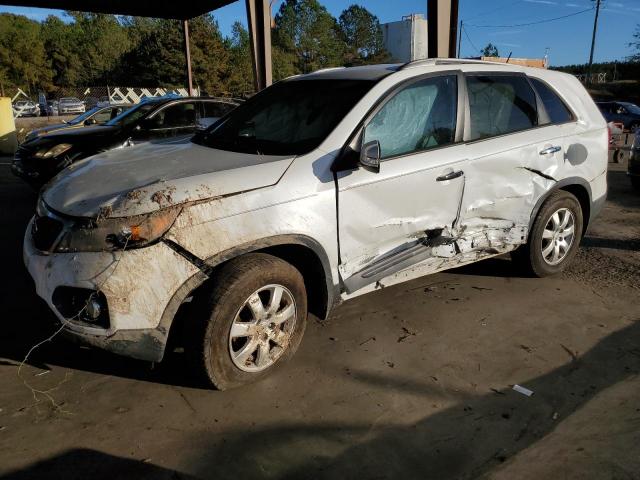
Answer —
209 345
537 257
635 182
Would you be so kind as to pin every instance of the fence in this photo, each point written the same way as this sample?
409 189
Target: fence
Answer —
593 78
91 96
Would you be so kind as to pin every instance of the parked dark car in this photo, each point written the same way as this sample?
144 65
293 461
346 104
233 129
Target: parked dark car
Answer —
95 116
621 112
166 119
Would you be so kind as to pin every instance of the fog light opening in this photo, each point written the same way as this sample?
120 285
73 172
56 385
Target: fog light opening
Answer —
93 310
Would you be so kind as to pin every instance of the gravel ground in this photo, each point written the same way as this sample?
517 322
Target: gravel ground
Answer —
411 381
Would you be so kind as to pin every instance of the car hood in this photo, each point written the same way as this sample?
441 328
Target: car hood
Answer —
147 177
53 128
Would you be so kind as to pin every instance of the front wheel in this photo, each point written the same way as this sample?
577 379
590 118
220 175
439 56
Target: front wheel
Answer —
251 320
554 237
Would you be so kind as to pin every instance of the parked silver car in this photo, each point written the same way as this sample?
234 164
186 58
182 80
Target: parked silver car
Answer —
68 105
26 108
321 188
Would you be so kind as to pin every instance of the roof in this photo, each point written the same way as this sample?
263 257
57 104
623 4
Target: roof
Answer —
376 72
157 8
365 72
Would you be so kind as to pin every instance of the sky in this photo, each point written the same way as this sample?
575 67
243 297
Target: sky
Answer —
500 22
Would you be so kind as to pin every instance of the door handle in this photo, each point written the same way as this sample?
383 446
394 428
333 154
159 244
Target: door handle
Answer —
550 150
450 175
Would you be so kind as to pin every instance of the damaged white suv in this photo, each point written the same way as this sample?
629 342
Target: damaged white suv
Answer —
318 189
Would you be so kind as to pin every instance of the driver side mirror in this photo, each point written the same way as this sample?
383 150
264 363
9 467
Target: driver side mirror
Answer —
370 156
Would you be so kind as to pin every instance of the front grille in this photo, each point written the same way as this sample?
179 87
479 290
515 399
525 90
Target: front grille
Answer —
45 232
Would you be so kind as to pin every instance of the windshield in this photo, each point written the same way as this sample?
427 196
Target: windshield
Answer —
289 118
633 108
69 100
132 115
83 117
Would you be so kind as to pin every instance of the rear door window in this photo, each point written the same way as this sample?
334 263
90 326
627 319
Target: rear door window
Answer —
500 104
176 116
555 107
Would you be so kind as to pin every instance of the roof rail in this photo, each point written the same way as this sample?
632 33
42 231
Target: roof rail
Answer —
446 61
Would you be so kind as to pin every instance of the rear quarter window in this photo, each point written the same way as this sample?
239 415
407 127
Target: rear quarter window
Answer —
556 109
500 104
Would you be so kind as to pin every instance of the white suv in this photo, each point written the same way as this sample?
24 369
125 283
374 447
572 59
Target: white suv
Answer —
318 189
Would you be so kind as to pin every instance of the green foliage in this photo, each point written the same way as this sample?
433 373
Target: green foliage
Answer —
240 79
306 29
88 49
490 51
362 35
23 62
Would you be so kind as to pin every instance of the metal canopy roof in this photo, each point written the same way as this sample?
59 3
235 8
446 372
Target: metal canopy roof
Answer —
146 8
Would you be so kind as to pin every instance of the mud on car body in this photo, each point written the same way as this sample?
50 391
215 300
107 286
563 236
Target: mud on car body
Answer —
320 188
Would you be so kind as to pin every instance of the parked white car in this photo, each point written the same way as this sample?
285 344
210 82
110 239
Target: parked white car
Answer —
321 188
68 105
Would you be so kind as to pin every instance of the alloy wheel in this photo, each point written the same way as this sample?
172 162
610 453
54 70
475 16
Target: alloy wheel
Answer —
262 328
558 236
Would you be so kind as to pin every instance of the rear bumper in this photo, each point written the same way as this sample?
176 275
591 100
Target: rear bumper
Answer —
598 196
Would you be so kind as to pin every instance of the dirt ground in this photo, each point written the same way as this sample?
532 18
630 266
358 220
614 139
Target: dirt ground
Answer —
412 381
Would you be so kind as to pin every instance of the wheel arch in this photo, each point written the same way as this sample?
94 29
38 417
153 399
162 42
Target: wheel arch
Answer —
578 187
303 252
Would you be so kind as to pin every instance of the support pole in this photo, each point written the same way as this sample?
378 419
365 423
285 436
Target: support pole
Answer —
442 28
453 28
593 41
259 21
459 38
187 54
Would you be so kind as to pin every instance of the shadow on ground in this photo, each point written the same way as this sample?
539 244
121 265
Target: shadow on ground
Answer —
469 440
81 464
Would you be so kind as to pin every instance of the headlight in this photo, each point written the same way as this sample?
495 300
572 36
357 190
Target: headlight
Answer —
53 151
110 234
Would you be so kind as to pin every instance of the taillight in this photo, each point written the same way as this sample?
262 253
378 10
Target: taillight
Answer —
610 137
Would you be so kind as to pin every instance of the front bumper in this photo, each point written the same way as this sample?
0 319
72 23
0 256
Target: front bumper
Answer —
141 287
71 110
19 170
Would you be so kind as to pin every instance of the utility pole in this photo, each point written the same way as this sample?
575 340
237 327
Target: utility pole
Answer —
187 54
459 38
593 41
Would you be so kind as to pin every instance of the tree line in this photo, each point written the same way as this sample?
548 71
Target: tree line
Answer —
97 49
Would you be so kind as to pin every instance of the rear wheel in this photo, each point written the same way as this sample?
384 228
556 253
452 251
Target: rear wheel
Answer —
554 237
252 320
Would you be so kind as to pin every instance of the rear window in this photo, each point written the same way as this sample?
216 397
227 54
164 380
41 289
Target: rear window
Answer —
555 107
500 104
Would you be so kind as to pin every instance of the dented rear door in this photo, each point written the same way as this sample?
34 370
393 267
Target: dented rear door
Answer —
513 161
